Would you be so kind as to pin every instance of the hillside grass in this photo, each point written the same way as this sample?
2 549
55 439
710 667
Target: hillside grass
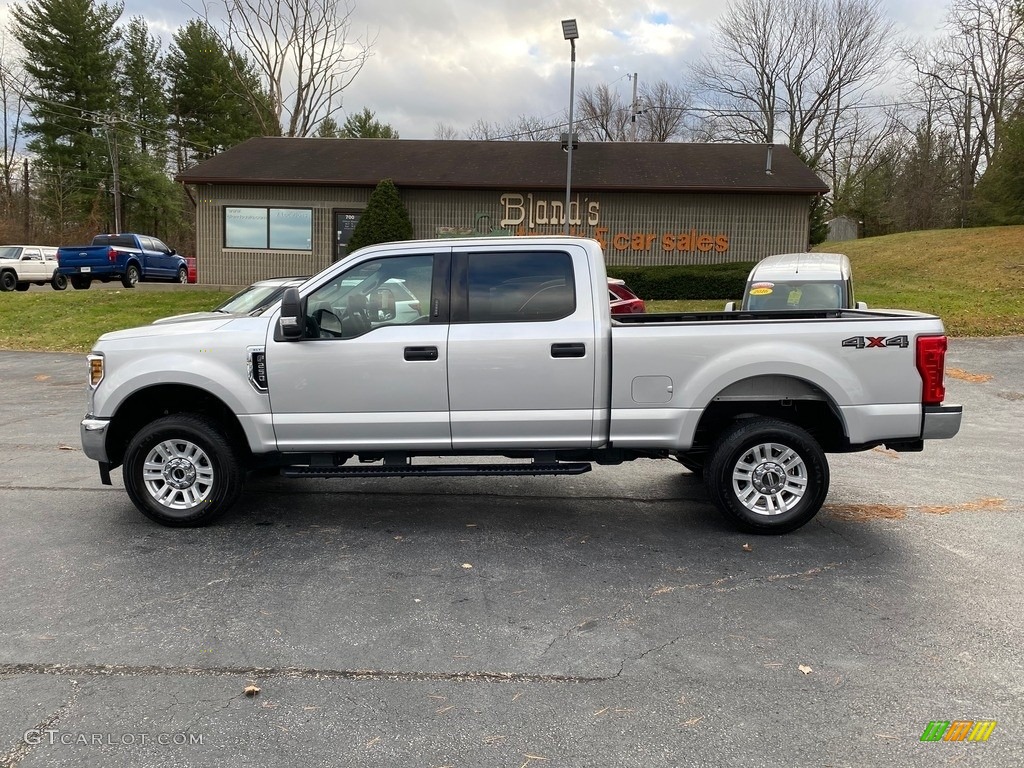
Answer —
972 278
71 321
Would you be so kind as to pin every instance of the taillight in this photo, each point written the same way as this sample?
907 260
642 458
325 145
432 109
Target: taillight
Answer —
931 362
111 255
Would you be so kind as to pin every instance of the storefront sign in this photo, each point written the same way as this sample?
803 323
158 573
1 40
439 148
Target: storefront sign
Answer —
530 215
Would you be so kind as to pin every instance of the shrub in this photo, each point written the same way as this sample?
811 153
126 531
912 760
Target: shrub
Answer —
692 281
385 219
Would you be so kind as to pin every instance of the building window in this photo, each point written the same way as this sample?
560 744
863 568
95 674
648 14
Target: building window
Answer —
286 229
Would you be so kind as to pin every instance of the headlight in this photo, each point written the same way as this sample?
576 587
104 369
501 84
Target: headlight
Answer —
95 369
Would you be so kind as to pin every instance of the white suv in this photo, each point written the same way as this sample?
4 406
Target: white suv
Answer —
23 265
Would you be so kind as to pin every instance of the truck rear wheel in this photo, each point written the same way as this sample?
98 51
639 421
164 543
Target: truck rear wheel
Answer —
182 471
130 277
59 281
767 476
81 283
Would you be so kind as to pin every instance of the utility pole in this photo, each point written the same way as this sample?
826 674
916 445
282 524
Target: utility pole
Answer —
115 169
965 173
635 107
28 206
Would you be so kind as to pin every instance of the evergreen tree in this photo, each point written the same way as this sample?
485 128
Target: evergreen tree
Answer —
150 201
363 125
385 219
142 86
328 129
999 198
71 58
209 108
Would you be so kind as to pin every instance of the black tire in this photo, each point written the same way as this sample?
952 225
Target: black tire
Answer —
8 281
81 283
22 286
183 275
131 276
767 476
201 475
59 281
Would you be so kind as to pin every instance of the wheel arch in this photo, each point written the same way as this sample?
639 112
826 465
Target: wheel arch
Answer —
155 401
788 398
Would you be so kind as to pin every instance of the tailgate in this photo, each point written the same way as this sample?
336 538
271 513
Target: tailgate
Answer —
86 256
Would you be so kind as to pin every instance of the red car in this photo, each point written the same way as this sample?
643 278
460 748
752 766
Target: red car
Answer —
623 300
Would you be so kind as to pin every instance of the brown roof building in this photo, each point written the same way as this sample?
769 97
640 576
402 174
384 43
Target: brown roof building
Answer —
273 206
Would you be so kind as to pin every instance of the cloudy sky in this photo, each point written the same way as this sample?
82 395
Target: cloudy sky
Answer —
455 61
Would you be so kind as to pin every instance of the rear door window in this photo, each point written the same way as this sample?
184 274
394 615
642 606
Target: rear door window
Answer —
518 287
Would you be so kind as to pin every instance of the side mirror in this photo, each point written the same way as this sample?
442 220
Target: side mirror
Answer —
862 305
293 318
172 252
730 307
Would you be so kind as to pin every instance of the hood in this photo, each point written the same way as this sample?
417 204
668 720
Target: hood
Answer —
199 327
192 316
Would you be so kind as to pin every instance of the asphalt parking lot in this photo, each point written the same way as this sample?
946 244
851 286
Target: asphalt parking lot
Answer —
603 620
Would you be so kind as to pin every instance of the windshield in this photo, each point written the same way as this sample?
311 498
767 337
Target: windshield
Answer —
9 252
795 294
252 298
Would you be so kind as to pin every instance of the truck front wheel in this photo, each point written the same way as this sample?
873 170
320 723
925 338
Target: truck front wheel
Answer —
767 476
181 471
130 277
8 281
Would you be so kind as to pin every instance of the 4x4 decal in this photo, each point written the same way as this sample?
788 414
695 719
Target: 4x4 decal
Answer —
867 342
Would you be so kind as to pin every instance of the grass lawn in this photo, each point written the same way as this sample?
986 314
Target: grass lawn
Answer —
71 321
972 278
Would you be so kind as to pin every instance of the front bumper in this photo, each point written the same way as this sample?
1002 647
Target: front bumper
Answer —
94 438
941 421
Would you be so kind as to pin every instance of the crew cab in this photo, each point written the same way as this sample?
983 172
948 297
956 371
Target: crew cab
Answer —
125 257
24 265
800 281
512 353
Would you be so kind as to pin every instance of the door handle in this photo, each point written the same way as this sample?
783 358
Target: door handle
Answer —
568 350
420 353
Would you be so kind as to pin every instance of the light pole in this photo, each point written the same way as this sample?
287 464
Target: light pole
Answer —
571 33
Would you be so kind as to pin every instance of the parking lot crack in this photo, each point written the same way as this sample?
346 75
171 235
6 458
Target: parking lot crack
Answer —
21 750
301 673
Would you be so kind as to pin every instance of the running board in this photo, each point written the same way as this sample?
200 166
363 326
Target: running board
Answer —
440 470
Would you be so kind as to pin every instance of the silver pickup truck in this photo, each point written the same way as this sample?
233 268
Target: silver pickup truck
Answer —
505 347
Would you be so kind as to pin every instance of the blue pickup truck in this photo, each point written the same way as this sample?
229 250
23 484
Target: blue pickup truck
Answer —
125 257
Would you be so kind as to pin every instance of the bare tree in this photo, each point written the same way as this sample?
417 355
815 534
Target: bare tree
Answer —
973 78
12 95
446 132
662 112
603 114
305 52
522 128
792 68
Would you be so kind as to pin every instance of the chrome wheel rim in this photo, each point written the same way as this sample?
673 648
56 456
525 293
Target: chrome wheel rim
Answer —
178 475
133 276
769 479
182 277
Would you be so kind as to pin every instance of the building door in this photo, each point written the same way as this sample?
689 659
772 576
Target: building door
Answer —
344 225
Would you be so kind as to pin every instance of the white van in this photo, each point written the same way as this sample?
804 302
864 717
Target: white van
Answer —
799 281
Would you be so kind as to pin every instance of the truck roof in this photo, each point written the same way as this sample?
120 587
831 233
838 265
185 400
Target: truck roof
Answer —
809 266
